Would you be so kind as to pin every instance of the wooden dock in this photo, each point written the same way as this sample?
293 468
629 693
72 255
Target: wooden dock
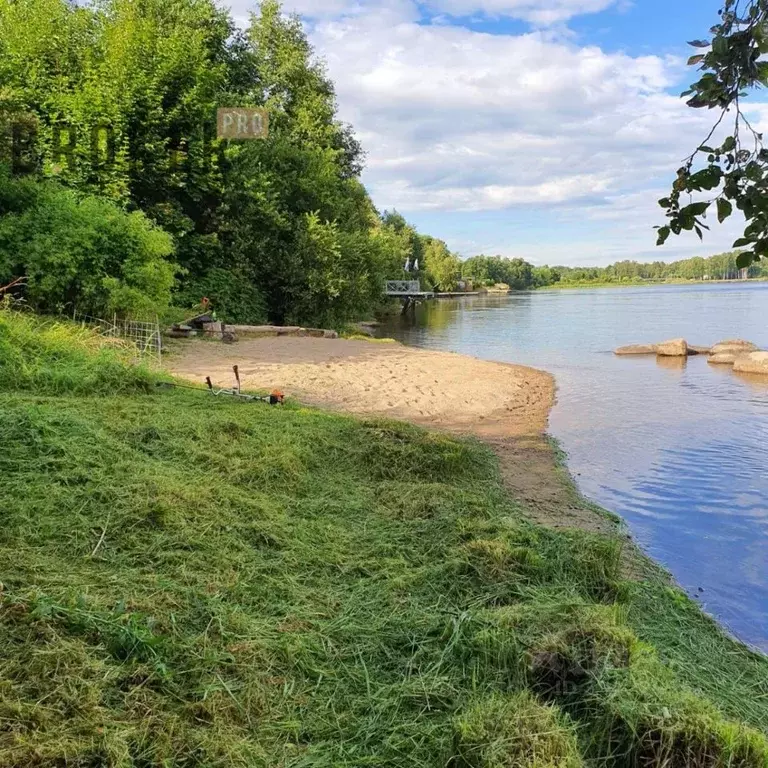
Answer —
411 294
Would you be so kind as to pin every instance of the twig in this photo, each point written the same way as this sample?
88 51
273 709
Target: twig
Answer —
103 534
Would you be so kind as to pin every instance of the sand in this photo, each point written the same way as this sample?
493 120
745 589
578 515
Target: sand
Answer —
438 389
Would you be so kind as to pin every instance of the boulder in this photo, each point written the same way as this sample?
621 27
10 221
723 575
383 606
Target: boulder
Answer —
754 362
637 349
723 358
673 348
733 346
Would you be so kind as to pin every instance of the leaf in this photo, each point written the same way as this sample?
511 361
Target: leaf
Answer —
664 233
708 178
699 233
744 260
729 144
697 59
665 202
720 45
741 242
699 43
724 209
694 209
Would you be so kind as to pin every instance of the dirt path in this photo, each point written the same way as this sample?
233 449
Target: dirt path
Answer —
506 405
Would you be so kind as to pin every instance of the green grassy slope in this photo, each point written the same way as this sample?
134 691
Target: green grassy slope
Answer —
194 582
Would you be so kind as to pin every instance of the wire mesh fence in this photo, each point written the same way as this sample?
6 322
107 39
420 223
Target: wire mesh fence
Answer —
145 336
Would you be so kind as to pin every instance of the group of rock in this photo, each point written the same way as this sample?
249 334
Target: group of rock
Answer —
744 356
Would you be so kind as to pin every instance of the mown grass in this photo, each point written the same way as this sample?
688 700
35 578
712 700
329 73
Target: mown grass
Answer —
56 357
194 582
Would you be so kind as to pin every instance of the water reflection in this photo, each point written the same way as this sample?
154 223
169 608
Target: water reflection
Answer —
672 363
675 445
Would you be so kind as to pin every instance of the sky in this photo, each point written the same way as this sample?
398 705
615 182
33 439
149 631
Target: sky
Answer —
545 129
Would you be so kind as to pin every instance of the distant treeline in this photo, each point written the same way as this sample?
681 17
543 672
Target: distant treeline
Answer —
518 274
719 267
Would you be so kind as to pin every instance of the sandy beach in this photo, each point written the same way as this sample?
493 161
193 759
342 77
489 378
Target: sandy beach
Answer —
387 379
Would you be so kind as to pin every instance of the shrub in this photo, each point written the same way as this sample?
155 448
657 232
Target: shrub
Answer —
82 252
233 296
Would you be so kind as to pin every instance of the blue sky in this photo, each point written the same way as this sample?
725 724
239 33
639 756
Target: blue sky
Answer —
538 128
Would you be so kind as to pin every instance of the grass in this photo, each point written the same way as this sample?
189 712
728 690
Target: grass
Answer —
194 582
55 357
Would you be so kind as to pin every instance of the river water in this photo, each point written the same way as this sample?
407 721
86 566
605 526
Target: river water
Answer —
678 448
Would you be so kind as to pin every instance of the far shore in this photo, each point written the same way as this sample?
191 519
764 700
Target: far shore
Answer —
645 284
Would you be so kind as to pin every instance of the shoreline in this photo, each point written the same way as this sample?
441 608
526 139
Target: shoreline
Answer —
374 584
506 406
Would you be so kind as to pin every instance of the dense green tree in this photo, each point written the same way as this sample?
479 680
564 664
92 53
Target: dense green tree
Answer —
489 270
442 268
123 97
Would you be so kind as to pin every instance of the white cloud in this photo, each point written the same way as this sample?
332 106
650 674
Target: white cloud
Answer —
536 11
454 120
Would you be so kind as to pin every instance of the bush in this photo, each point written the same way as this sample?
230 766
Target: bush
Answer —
82 252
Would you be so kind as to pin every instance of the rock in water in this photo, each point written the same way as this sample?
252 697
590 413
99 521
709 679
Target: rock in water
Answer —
754 362
723 358
673 348
692 350
733 346
637 349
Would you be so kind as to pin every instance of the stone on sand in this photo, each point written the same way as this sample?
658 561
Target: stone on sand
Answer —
637 349
754 362
673 348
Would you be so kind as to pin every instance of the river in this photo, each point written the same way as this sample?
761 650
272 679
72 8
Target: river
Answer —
678 448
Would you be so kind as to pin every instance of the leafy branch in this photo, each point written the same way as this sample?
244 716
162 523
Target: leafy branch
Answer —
736 171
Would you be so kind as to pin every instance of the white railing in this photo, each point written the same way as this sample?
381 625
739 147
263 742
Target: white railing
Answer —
402 287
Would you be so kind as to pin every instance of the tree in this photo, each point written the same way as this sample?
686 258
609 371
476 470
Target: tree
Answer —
122 95
443 268
734 172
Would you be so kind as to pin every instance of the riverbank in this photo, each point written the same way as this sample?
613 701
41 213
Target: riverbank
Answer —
646 283
190 580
